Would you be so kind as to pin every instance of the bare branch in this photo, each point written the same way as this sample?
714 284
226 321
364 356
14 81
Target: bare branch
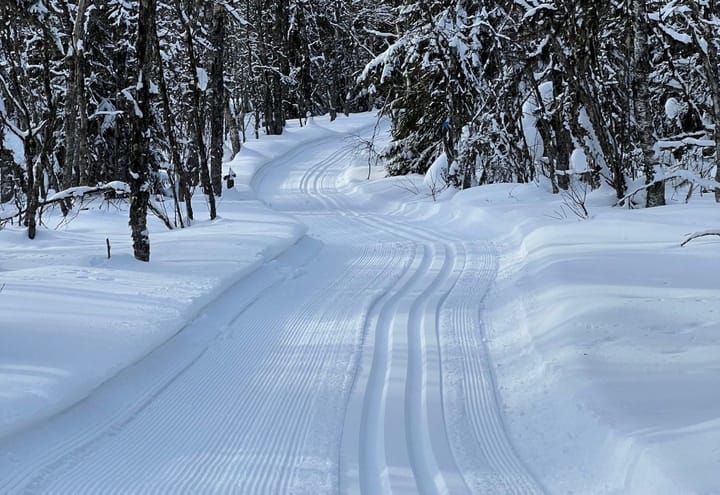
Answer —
697 235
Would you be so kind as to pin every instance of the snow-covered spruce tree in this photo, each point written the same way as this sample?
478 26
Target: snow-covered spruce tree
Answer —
110 77
542 36
452 83
579 74
492 148
690 35
428 81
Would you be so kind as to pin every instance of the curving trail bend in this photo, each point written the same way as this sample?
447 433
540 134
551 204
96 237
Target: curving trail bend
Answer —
357 365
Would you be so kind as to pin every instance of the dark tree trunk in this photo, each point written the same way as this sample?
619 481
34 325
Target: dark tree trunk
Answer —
275 112
140 152
275 95
563 140
33 196
82 158
196 119
180 169
217 98
70 130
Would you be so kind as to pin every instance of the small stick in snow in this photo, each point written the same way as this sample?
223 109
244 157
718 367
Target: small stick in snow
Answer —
700 234
107 242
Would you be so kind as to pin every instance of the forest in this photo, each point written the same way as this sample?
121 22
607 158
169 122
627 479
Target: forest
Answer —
141 101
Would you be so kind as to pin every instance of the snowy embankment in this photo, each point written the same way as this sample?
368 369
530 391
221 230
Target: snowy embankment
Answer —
605 333
72 319
606 338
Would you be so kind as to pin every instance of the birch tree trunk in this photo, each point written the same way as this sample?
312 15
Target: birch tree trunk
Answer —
640 77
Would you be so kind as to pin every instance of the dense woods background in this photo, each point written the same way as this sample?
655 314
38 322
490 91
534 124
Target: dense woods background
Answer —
137 98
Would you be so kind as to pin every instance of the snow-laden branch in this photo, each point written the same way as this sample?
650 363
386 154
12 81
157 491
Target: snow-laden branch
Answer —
678 174
117 190
117 187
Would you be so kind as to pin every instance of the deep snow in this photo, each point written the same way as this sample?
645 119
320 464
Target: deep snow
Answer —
487 342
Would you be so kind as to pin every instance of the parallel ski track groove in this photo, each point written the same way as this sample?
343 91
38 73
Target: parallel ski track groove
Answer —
294 418
429 478
427 294
483 410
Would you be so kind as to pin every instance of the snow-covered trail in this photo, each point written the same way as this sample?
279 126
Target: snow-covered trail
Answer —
423 416
356 363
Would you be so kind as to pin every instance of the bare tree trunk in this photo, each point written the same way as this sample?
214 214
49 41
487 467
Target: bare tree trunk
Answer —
70 130
196 118
78 35
33 196
75 169
275 100
169 119
232 126
217 98
640 76
331 105
140 152
563 140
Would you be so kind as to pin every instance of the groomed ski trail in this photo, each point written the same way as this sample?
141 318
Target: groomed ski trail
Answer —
356 364
414 452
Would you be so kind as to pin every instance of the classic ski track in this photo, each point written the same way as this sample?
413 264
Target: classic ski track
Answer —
411 335
483 407
292 419
424 309
269 164
302 411
433 272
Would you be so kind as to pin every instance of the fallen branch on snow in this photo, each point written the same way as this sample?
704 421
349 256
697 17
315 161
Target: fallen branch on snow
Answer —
112 190
700 234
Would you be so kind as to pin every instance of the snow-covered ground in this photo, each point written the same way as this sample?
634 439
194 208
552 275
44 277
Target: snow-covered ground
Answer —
71 318
487 342
605 335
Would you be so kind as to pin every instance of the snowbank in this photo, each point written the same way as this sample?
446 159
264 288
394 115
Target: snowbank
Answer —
606 339
72 319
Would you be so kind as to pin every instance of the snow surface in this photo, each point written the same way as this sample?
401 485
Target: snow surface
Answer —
485 341
436 178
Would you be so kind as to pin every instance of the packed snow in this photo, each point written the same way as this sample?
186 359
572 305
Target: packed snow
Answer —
332 334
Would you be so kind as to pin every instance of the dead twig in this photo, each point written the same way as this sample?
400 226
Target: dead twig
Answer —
697 235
